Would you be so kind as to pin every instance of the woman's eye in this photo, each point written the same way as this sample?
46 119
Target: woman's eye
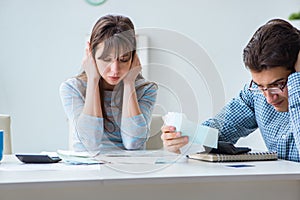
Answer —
124 59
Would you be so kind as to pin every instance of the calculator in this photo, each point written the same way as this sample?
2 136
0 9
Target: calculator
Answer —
37 158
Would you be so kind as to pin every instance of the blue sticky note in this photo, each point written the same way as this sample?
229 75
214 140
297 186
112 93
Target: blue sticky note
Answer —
240 165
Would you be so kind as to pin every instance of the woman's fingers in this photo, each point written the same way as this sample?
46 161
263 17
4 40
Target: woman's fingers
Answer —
136 61
89 65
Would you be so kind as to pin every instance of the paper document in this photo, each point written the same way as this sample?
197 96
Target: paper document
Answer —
119 157
137 153
197 133
139 157
77 158
45 167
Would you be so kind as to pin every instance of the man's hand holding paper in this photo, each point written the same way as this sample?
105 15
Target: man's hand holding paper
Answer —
196 133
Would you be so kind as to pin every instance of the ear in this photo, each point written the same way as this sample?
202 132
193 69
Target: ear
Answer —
297 64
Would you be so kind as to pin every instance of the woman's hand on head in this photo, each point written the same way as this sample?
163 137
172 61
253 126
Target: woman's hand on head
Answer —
173 140
135 69
89 65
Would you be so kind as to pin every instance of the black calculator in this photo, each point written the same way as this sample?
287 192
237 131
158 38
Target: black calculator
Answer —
37 158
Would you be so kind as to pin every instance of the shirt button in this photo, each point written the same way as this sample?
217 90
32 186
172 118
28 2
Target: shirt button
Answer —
283 137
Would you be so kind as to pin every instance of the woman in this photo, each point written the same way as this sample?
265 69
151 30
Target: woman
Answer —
109 103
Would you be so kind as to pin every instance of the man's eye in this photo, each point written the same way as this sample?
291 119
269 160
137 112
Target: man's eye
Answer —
260 87
276 85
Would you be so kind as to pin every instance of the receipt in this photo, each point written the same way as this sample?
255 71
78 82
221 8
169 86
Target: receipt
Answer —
197 133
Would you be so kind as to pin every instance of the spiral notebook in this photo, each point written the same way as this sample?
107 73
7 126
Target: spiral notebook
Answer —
250 156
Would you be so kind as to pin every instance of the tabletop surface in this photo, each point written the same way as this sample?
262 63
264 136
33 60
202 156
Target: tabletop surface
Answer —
13 171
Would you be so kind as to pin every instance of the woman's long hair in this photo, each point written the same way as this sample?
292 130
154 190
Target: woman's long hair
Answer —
118 36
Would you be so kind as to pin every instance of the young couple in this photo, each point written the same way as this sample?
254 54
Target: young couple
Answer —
110 103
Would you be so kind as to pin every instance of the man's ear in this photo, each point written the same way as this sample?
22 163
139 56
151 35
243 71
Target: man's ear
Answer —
297 64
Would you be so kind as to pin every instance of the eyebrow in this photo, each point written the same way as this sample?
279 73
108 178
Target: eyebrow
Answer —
112 55
103 57
281 79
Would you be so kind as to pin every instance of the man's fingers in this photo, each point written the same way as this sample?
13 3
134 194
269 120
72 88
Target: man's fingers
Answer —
177 141
167 129
174 149
173 140
174 145
168 135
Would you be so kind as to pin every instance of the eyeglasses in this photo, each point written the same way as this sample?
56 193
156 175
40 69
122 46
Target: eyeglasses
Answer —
274 88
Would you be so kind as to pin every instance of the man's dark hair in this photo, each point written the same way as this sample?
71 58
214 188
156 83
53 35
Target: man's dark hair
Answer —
274 44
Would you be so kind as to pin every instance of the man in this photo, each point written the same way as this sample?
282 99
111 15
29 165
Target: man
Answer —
270 102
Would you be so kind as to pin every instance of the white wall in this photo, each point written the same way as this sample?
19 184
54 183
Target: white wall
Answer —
42 44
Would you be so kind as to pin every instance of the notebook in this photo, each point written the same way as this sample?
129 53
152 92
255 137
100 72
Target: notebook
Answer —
250 156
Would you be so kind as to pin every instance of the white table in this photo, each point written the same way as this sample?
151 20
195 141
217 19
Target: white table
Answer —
192 180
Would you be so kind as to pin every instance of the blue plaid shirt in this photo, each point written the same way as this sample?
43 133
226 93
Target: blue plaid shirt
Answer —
247 112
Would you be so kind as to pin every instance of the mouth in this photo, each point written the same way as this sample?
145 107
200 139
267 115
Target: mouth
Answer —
277 104
114 78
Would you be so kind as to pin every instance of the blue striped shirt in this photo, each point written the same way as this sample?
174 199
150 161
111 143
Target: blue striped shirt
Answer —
88 132
247 112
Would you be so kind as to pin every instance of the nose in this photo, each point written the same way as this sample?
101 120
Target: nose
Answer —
115 67
270 97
